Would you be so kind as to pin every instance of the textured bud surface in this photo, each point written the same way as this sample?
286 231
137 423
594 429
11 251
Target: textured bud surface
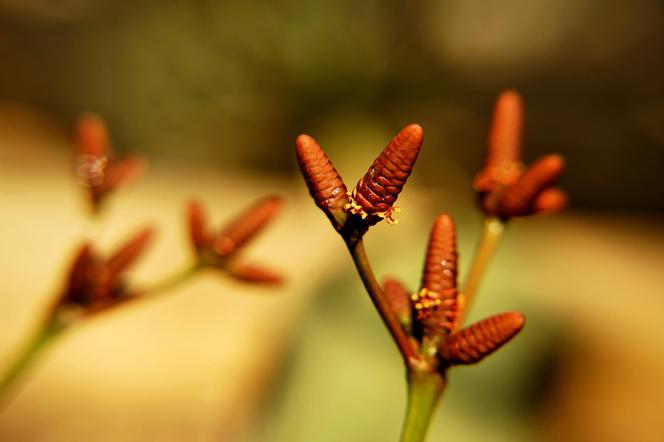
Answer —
473 343
375 194
324 182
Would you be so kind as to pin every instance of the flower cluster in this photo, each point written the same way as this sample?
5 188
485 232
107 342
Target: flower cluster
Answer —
96 167
505 186
373 197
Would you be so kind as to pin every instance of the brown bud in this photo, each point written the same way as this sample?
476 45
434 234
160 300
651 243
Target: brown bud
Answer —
375 194
519 199
550 200
503 149
92 136
129 252
324 182
90 283
471 344
399 298
254 273
197 225
244 227
437 303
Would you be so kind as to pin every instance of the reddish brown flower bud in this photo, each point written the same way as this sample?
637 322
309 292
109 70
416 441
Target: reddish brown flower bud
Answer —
324 182
197 226
246 226
505 190
374 195
519 199
95 167
92 136
399 298
129 252
503 151
254 273
471 344
437 303
550 200
95 283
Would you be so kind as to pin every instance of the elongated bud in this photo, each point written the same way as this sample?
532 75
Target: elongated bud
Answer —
374 195
197 225
398 296
78 275
324 182
503 150
90 282
255 273
124 171
92 136
550 200
129 252
473 343
437 304
519 199
244 227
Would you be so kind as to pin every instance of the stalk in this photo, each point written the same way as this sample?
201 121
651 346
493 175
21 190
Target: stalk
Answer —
491 234
424 391
51 328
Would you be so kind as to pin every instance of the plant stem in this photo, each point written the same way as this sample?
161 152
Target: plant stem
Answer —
47 332
171 281
424 390
491 233
356 248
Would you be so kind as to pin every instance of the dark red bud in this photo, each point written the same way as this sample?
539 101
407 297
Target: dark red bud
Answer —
324 182
377 191
473 343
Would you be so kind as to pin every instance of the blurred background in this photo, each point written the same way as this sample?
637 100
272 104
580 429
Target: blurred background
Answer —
214 94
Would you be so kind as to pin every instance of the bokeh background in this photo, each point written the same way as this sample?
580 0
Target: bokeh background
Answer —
214 93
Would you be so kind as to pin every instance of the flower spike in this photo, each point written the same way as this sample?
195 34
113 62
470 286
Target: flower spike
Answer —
96 168
473 343
437 303
374 195
95 283
324 182
221 250
506 189
254 273
243 228
519 199
399 298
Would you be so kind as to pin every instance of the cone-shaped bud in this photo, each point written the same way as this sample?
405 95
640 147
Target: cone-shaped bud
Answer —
324 182
129 252
95 167
197 221
256 274
399 298
246 226
519 199
437 303
503 148
473 343
91 285
374 195
92 136
550 200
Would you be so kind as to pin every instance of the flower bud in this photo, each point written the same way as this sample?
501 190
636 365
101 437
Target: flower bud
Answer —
473 343
324 182
374 195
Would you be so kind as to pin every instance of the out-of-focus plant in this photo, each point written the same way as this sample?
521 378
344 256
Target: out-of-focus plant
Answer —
96 284
426 325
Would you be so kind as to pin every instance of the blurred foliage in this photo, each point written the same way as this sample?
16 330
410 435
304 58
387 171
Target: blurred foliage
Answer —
233 82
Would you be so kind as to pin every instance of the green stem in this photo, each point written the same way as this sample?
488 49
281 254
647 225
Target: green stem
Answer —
356 248
424 390
44 335
491 234
171 281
